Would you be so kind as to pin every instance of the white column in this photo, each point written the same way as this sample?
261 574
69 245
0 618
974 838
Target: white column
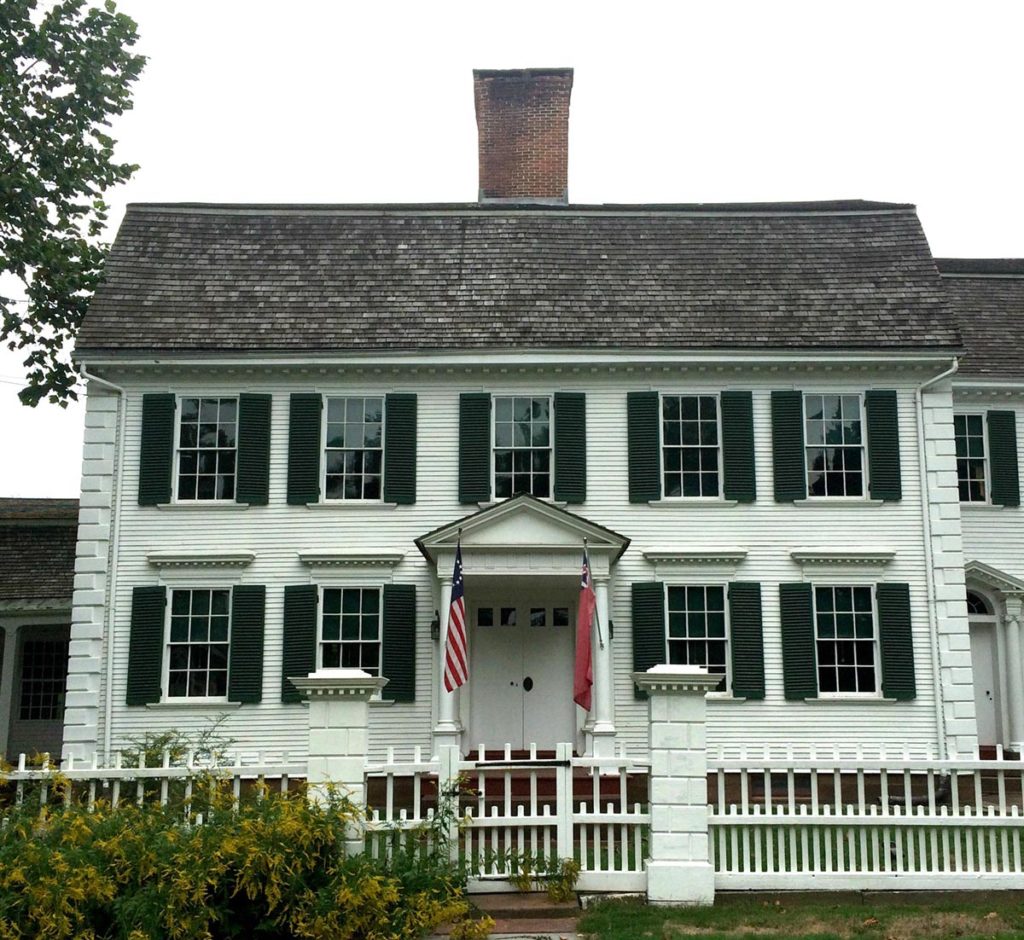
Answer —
679 867
602 731
10 641
1015 671
448 730
338 737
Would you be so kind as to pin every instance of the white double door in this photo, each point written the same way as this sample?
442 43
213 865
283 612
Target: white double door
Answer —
521 669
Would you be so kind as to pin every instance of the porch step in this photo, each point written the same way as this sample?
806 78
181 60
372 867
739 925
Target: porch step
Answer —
526 906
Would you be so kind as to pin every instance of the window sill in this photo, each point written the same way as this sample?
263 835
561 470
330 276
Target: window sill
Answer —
838 501
724 697
497 502
694 502
985 507
215 505
851 700
381 703
352 504
194 705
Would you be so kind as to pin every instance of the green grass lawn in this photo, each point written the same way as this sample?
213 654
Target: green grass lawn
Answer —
990 916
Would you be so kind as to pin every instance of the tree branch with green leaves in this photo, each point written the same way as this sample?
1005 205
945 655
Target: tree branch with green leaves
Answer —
66 69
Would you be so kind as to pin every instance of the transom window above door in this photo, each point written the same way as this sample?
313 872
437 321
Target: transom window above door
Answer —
207 448
834 444
354 448
690 445
522 446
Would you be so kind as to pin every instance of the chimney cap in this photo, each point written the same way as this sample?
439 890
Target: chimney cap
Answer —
522 74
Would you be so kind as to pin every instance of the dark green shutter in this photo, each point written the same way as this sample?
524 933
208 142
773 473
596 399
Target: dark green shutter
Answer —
299 654
895 640
570 447
156 451
399 660
883 444
245 669
253 467
1002 456
643 443
798 654
474 447
746 637
740 482
648 627
146 645
400 449
304 448
788 446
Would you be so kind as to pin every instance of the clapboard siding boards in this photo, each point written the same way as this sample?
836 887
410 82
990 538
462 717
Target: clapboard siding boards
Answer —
994 534
767 530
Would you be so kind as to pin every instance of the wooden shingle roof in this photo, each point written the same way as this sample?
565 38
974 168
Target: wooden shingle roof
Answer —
37 549
191 279
987 296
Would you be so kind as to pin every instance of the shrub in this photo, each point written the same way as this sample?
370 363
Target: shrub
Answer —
268 865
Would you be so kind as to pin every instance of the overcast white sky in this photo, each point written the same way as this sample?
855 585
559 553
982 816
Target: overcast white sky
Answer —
309 101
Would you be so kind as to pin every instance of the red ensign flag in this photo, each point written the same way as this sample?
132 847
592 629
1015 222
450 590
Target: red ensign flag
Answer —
584 673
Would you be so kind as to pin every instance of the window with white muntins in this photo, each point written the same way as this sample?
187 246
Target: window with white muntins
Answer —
522 446
971 457
199 635
354 449
845 639
350 629
697 634
690 442
834 445
207 448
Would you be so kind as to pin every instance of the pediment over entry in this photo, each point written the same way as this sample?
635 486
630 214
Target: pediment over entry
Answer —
523 535
980 573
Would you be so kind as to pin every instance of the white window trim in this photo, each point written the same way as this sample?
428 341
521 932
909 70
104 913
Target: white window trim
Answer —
865 497
550 396
165 684
334 502
691 500
201 503
725 693
342 586
877 657
983 413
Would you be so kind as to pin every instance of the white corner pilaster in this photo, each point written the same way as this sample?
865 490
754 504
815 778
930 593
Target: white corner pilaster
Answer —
89 645
948 594
679 867
338 718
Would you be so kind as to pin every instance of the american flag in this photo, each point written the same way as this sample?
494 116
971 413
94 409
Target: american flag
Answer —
583 677
456 664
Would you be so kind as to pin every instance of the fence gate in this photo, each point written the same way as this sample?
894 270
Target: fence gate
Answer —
523 813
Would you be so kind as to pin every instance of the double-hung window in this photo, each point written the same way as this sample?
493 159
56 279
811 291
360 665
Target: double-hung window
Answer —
354 447
696 633
350 629
690 445
207 448
198 640
834 445
971 457
845 639
522 446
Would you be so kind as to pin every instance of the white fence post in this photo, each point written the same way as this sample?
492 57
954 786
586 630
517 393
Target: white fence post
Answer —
447 783
338 717
679 868
564 801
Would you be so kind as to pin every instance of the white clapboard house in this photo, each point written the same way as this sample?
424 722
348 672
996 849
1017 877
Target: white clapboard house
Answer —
749 412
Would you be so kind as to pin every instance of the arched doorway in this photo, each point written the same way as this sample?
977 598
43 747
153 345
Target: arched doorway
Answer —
985 659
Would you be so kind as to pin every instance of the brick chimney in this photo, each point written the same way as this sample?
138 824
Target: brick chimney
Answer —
522 118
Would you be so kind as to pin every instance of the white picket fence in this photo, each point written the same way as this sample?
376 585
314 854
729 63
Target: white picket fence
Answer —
816 821
517 813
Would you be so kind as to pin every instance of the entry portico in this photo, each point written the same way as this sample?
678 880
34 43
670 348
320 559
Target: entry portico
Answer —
521 564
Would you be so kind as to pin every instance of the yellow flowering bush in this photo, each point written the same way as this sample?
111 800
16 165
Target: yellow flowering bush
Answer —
269 865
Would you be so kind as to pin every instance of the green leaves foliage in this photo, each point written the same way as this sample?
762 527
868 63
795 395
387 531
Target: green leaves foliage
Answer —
65 69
